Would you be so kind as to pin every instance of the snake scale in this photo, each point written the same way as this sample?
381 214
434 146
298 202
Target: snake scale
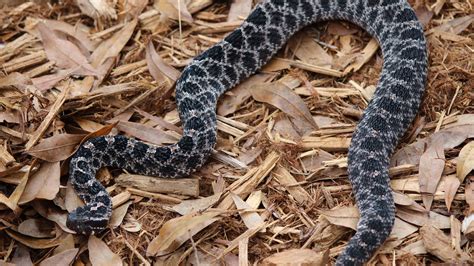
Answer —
394 105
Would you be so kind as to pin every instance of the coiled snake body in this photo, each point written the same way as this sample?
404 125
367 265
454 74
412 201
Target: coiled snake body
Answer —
394 105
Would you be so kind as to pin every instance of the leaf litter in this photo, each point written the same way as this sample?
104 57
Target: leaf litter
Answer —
275 190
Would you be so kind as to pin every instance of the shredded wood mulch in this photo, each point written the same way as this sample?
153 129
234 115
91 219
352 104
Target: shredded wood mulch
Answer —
275 190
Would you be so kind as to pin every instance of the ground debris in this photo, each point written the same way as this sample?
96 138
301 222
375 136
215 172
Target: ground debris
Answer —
275 190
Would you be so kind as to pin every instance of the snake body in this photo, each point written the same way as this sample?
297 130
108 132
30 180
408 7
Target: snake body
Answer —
394 105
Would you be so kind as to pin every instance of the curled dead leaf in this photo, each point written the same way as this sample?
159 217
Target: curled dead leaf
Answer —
64 258
279 95
56 148
465 161
44 184
345 216
100 254
179 230
452 184
65 53
38 228
35 242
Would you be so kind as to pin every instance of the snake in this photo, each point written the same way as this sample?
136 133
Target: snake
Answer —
241 53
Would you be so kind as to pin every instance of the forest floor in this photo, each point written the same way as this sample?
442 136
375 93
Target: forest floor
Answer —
275 190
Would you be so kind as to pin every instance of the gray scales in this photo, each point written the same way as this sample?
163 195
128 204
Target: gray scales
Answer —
393 107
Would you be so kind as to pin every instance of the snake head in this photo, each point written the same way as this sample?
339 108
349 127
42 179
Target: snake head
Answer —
89 219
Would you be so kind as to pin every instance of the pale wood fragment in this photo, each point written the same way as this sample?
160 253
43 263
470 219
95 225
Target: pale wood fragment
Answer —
181 186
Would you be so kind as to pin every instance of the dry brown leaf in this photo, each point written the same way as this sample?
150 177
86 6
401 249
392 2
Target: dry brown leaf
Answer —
77 32
10 116
64 53
297 257
249 156
402 229
451 187
18 80
38 228
468 227
46 82
275 65
71 200
44 184
465 163
279 95
52 213
66 244
344 216
56 148
340 29
455 26
424 15
102 131
21 256
63 258
146 133
35 242
309 51
438 244
232 100
239 9
179 230
118 214
431 168
88 125
111 47
197 205
158 68
100 254
450 138
250 218
415 248
469 191
175 9
286 129
421 218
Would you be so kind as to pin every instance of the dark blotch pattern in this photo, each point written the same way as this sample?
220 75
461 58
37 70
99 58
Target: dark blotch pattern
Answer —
241 54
